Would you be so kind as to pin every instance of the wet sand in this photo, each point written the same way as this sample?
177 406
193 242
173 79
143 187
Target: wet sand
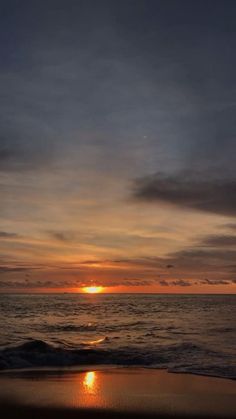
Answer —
110 392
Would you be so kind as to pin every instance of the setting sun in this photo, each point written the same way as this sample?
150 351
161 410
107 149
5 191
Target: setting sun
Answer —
93 290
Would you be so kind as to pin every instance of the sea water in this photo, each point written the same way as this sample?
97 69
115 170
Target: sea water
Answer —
184 333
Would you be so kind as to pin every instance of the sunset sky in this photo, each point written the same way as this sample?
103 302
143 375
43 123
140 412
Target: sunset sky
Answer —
118 145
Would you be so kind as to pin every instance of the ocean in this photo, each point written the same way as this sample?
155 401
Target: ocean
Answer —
183 333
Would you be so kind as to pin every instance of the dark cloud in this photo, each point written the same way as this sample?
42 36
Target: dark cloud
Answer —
196 262
154 262
188 261
24 154
180 283
231 226
63 236
130 282
189 190
177 282
184 283
13 284
5 154
219 241
71 283
8 154
27 284
6 269
5 235
207 281
164 283
203 255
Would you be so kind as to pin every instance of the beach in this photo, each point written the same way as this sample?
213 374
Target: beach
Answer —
72 355
114 391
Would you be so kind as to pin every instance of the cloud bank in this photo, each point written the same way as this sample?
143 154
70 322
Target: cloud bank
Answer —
189 190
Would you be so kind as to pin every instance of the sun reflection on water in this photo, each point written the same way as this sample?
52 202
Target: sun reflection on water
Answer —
94 342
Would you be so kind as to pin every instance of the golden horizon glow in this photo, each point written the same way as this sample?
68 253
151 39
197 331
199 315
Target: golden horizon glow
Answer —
93 290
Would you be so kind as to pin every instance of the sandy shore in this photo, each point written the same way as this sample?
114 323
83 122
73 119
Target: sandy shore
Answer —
111 392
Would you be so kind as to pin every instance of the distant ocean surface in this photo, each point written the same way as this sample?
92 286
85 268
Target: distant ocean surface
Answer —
183 333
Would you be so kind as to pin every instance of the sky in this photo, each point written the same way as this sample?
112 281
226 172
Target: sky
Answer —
117 145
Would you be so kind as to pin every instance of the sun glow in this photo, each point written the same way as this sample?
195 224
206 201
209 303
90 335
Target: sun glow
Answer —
92 290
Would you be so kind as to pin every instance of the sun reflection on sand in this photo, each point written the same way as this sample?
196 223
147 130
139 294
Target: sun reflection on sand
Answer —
124 390
88 390
89 381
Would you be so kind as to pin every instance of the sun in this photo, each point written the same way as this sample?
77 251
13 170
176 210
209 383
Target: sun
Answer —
92 290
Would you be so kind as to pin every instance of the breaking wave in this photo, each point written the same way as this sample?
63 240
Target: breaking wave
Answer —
176 358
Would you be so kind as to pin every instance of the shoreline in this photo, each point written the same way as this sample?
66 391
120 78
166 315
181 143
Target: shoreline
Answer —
116 390
101 367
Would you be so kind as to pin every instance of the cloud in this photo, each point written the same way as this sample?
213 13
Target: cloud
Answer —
6 269
28 282
5 154
164 283
8 154
207 281
62 236
184 283
5 235
231 226
129 282
219 241
188 262
204 255
21 151
180 283
189 190
177 282
25 283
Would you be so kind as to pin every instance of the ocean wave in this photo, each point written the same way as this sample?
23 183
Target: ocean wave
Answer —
37 353
177 358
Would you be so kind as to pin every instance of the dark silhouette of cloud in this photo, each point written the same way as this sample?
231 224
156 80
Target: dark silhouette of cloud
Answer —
189 190
188 260
204 255
5 154
177 282
20 151
219 241
63 236
6 269
5 235
180 283
164 283
8 154
207 281
231 226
